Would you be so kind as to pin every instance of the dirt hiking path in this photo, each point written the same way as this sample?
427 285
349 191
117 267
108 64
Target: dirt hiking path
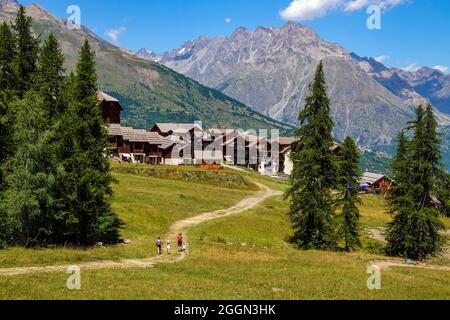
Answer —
178 227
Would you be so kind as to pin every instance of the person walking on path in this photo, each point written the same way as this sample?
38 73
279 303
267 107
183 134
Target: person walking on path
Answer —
180 242
159 245
168 247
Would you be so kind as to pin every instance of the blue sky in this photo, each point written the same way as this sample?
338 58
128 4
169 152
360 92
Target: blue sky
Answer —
414 32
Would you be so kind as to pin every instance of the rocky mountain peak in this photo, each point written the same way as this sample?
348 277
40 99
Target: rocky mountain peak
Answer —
240 32
147 54
8 2
294 26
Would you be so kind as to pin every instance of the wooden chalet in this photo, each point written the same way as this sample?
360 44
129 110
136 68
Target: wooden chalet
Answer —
378 183
182 143
134 145
111 108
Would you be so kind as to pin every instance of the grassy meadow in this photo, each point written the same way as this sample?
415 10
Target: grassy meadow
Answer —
148 207
244 256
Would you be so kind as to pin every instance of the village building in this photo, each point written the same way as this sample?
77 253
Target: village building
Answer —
189 144
129 144
286 147
374 182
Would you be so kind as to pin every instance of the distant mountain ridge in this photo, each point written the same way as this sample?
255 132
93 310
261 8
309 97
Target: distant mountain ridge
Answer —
269 69
5 2
416 87
149 92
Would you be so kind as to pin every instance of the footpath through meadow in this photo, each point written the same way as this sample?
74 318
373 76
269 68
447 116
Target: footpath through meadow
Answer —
178 227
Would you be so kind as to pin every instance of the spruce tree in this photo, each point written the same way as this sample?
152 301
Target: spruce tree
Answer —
8 77
7 93
400 167
348 187
38 212
415 231
30 203
89 177
49 77
314 175
7 90
27 51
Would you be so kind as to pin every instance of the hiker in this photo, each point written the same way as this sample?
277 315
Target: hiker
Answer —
168 247
180 241
159 245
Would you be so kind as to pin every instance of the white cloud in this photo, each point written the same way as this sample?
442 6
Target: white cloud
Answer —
114 34
382 58
228 20
442 69
411 68
300 10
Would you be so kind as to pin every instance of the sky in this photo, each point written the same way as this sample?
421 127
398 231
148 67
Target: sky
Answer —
411 33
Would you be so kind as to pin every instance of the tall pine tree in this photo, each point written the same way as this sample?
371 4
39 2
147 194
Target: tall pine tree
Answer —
36 201
49 77
314 175
415 231
7 93
348 187
7 90
400 167
30 202
89 177
8 76
27 51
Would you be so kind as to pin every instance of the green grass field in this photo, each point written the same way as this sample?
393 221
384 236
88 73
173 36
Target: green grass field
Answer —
244 256
148 206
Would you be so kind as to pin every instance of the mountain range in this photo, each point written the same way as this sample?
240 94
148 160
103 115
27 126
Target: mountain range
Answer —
149 92
259 79
269 69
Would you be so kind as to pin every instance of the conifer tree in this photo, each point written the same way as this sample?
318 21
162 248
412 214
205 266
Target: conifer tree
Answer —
27 51
88 169
401 172
314 175
7 92
7 86
415 231
348 187
36 203
7 68
49 77
30 202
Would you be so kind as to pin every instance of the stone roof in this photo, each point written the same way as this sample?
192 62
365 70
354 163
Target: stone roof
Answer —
371 178
176 127
140 135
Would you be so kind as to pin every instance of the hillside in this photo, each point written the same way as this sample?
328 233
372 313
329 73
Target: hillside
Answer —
149 92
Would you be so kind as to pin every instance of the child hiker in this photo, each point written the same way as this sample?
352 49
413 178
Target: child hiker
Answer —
168 247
